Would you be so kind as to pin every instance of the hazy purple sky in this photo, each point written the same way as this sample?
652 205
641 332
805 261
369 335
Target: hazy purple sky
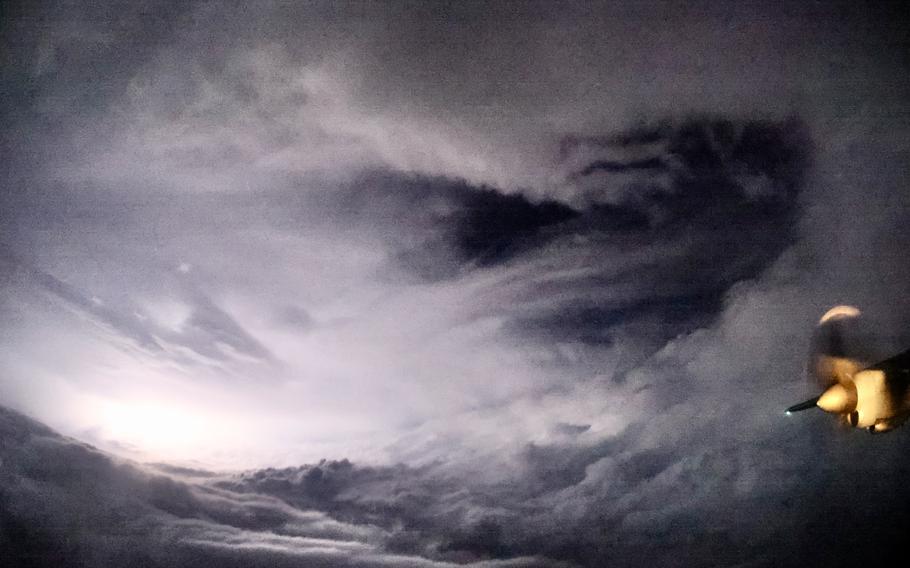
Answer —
568 253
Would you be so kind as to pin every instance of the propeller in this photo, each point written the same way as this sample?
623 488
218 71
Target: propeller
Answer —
834 358
835 354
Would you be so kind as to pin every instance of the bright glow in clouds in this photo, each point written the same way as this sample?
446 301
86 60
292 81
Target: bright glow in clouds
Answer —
155 427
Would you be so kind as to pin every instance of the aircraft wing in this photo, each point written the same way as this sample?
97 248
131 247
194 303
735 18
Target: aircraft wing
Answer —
897 373
897 365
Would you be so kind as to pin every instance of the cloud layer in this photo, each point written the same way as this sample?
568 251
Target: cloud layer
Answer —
67 503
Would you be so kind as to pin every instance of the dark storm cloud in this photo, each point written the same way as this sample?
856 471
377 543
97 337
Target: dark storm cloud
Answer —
614 502
615 166
159 88
492 227
457 226
562 262
733 189
619 503
66 500
729 207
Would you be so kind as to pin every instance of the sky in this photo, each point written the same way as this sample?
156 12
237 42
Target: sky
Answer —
473 281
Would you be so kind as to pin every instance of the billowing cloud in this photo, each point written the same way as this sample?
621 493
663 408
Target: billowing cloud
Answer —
64 501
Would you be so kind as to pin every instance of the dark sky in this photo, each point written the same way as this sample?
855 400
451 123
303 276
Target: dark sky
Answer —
504 284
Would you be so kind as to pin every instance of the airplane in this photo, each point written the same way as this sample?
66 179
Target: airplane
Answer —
875 397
